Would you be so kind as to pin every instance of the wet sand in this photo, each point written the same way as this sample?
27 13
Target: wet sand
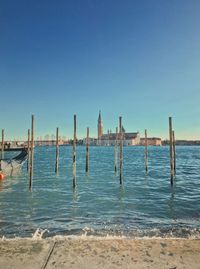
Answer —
92 253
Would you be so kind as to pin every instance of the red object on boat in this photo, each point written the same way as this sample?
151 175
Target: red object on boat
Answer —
2 176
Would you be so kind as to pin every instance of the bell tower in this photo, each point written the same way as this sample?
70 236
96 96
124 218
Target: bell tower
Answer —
99 127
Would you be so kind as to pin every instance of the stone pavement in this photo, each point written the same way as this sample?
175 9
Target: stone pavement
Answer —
100 253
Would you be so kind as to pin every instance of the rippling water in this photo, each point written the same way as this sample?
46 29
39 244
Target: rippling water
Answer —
142 206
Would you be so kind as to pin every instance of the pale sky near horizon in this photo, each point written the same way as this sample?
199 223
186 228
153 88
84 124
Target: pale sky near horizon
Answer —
137 59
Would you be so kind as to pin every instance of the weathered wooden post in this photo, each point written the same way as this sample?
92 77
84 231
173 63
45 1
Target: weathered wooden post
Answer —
28 149
32 153
74 154
146 152
171 151
57 151
174 151
87 151
121 145
116 150
2 144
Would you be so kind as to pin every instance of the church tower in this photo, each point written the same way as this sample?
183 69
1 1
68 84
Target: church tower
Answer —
99 127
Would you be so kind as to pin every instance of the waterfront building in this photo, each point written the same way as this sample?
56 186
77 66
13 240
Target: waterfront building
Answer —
99 128
92 141
129 139
49 142
151 141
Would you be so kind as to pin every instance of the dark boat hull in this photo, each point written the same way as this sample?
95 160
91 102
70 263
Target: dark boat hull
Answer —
7 166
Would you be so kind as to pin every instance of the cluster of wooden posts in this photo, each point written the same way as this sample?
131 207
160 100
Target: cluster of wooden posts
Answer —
87 151
118 141
172 144
30 146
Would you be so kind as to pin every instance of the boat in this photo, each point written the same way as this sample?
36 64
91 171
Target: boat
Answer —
13 149
8 166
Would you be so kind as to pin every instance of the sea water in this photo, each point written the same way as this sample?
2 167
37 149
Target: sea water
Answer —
144 205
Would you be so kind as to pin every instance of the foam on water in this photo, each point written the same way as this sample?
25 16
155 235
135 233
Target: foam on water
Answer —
38 234
89 233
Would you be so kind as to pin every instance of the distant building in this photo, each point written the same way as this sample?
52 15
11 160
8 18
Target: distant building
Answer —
129 139
48 142
183 142
92 141
99 128
151 141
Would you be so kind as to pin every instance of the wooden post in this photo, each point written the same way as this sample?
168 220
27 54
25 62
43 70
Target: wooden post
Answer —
171 150
74 154
28 148
121 145
32 149
116 150
174 151
146 152
57 151
2 144
87 151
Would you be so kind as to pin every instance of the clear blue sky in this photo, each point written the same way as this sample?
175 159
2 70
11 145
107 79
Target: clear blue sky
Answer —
139 59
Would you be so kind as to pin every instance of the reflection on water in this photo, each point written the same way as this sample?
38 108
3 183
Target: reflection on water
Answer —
144 205
172 203
1 185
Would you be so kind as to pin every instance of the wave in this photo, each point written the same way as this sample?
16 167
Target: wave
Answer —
90 233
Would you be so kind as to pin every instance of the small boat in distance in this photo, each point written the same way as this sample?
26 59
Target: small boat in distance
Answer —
8 166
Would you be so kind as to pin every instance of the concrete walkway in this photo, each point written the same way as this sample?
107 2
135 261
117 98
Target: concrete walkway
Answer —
100 253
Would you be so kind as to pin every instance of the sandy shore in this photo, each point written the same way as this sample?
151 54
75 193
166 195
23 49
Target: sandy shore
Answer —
95 253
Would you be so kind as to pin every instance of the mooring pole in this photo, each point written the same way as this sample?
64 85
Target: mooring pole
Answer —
116 150
121 145
146 152
174 150
2 144
28 149
57 151
74 154
87 152
171 151
32 153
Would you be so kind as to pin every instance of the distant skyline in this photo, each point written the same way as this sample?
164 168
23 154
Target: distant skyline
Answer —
135 59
